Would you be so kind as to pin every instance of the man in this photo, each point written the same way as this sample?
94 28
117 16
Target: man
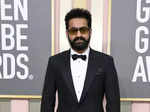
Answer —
80 75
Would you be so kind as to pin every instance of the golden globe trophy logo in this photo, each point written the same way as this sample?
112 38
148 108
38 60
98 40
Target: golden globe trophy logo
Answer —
13 39
142 35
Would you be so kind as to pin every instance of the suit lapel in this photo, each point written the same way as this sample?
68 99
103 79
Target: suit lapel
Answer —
90 74
68 76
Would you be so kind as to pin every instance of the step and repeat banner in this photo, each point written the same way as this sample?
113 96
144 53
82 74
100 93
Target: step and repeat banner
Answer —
25 42
130 46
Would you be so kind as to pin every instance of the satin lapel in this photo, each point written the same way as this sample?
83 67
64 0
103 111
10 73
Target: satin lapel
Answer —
90 74
68 76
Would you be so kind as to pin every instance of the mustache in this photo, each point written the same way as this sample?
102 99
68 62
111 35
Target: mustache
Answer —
79 38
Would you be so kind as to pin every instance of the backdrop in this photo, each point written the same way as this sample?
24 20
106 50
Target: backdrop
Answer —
130 46
24 45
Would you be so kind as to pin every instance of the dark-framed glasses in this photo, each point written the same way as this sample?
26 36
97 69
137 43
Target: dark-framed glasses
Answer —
74 31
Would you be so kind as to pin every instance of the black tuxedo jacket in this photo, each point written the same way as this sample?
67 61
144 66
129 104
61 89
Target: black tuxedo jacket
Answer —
101 78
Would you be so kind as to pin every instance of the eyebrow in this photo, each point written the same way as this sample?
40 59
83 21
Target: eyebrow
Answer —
79 27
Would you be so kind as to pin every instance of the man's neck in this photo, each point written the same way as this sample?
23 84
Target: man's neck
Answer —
81 51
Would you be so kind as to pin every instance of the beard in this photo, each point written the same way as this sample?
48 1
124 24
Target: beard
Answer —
79 43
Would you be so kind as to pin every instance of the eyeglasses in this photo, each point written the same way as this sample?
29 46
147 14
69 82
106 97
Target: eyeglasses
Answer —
74 31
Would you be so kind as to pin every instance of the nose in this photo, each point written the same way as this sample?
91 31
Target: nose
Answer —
78 33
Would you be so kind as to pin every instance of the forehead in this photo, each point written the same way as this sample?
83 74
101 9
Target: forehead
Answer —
78 22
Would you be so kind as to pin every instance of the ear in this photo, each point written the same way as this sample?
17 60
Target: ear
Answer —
67 33
90 32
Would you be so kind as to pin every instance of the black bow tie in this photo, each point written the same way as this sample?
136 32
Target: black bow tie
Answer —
75 56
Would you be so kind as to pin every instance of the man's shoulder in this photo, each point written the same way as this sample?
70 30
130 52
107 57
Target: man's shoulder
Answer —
101 54
103 58
59 55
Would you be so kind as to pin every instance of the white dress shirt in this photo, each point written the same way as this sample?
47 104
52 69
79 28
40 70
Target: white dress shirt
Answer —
78 70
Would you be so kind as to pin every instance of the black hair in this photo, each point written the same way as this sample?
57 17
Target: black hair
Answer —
78 13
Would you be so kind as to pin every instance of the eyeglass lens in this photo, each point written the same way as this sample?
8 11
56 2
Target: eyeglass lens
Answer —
83 30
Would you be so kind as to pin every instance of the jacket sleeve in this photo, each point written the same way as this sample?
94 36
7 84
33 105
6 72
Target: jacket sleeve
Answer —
112 88
49 89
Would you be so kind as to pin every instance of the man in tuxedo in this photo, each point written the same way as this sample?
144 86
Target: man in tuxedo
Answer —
81 75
